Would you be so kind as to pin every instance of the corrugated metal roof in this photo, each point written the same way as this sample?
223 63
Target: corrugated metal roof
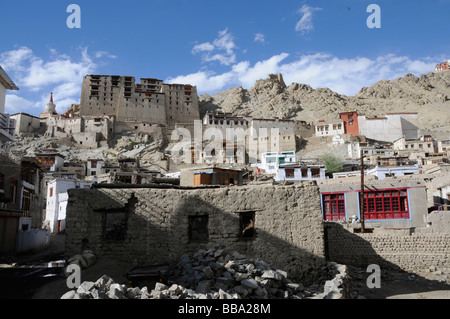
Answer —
4 78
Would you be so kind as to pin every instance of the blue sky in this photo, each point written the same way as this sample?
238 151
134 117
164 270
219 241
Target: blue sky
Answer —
216 45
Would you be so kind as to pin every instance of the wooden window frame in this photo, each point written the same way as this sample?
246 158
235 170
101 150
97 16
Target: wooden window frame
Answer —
334 206
386 205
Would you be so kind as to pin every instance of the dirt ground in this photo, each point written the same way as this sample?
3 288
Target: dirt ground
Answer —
395 284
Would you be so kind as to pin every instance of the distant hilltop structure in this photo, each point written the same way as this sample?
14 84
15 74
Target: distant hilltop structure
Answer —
150 100
50 108
442 67
111 105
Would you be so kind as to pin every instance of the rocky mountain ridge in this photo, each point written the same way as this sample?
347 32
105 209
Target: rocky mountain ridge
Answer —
428 95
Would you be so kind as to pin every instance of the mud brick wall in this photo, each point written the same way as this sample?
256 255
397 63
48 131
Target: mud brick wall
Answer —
408 250
289 227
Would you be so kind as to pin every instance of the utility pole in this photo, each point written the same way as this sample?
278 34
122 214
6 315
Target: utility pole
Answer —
362 191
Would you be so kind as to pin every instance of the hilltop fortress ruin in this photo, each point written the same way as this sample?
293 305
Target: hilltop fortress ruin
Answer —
148 101
112 105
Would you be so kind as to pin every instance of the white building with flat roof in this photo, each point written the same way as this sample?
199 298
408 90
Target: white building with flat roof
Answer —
391 127
6 123
296 173
57 201
355 148
330 128
94 167
425 144
270 161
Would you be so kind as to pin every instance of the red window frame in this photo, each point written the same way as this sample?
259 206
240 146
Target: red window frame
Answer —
333 206
386 204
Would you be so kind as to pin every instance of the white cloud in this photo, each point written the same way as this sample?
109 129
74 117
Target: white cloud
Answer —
203 47
17 104
342 75
61 70
305 24
259 37
221 50
37 77
15 59
101 54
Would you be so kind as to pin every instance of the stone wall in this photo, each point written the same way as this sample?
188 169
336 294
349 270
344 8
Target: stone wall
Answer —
439 221
410 250
288 232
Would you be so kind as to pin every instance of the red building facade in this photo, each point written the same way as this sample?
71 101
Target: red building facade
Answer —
384 204
350 122
442 67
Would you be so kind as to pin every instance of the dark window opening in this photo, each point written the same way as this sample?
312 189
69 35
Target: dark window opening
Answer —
115 226
290 173
2 181
247 225
198 229
13 190
315 172
304 172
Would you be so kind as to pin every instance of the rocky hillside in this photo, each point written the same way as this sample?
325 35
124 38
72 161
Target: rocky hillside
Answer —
429 95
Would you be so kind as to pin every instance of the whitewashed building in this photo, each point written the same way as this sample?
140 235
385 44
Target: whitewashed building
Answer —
354 150
296 173
381 172
443 146
391 127
94 167
425 144
57 201
270 161
6 123
330 128
26 124
385 167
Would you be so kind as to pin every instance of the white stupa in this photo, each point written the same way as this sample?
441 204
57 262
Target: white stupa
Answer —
50 108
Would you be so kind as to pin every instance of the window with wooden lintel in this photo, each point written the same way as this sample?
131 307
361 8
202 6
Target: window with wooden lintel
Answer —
289 173
304 172
115 226
315 172
198 229
247 225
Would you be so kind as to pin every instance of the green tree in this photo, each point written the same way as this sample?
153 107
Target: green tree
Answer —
332 163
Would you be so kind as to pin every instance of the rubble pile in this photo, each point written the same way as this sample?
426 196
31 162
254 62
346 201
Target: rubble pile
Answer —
233 275
84 260
218 274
